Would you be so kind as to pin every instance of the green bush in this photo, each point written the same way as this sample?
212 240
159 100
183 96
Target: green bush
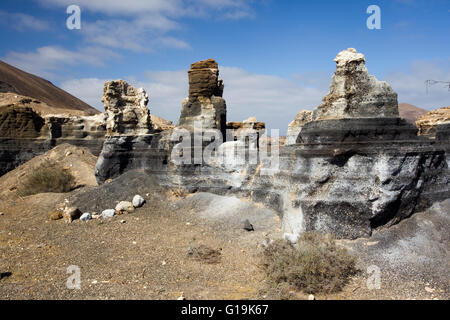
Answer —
316 265
47 178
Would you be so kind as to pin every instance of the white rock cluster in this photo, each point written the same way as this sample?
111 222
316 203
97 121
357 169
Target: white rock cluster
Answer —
72 213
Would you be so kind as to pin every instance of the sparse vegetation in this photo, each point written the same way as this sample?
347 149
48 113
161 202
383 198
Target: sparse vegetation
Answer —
47 178
315 265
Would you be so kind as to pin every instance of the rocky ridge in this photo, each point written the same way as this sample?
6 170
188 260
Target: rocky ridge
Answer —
430 122
355 167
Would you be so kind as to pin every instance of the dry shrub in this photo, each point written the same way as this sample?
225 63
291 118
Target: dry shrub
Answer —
314 265
47 178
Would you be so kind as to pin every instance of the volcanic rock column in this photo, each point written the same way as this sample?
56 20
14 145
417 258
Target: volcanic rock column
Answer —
126 111
205 104
356 94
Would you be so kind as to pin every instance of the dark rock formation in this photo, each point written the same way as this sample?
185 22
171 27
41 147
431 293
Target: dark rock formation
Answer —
205 106
25 134
35 116
204 79
355 166
356 94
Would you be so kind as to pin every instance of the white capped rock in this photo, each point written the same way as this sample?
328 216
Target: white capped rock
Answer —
108 213
138 201
356 94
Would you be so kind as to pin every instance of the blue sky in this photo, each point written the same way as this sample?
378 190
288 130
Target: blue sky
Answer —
276 57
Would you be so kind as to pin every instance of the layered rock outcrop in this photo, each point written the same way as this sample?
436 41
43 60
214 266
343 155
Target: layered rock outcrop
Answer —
356 94
295 126
126 111
129 133
428 123
205 106
25 132
353 165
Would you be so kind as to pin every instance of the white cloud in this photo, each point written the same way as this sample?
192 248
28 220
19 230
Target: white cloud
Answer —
272 99
90 90
168 8
269 98
410 85
135 35
47 59
141 25
23 22
166 90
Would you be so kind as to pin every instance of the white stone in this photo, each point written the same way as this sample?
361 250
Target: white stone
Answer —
86 216
108 213
125 206
138 201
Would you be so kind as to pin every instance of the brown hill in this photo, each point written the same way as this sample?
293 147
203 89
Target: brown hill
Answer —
409 112
25 84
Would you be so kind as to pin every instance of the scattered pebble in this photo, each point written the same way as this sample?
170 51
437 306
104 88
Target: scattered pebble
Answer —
181 297
163 263
122 221
429 290
311 297
248 226
86 217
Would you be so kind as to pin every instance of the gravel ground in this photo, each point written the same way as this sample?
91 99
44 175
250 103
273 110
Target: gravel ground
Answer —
142 255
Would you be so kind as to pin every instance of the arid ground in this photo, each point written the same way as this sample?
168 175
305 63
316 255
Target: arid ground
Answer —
143 255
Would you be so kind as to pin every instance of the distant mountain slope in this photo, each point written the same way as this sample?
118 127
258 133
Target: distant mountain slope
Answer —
410 112
25 84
